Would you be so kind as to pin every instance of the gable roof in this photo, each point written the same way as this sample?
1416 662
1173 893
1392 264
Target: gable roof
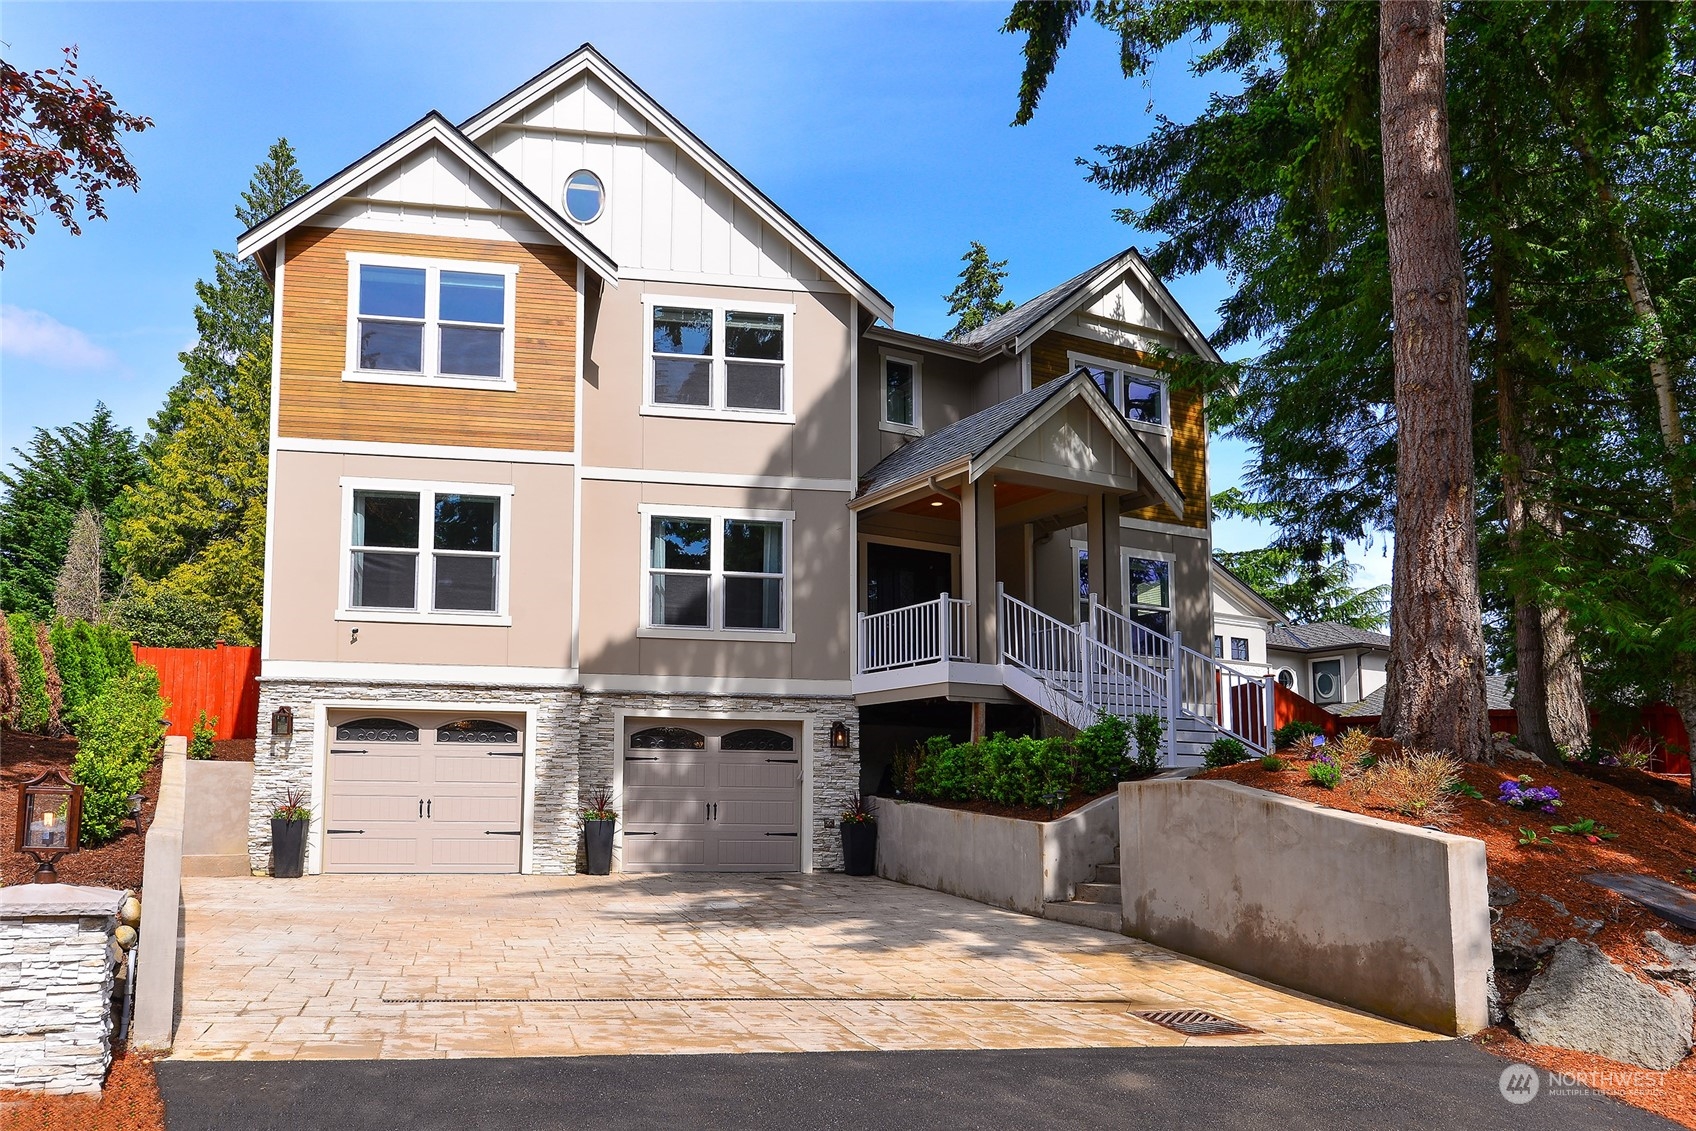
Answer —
586 58
967 440
1324 635
1037 316
431 129
1246 594
1498 696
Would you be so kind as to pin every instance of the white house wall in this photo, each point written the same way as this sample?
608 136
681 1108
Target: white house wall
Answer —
1127 302
433 192
664 215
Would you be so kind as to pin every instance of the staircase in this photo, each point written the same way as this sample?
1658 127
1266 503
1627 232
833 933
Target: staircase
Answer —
1094 903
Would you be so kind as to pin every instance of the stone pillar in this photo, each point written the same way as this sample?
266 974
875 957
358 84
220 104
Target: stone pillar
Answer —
977 564
1106 580
57 959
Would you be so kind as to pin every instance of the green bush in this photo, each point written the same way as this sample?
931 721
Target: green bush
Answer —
1101 748
1225 751
205 731
1149 730
34 709
87 656
1290 732
68 657
121 731
1324 772
948 771
1271 763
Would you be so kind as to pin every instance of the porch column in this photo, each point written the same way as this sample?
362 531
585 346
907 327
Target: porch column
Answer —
977 564
1105 579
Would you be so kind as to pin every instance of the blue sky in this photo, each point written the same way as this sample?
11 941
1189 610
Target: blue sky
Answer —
884 128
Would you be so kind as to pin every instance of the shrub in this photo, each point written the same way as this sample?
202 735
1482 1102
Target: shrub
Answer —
205 731
1101 749
34 710
1225 751
50 678
1149 730
1323 771
1288 733
1272 763
10 688
948 771
1634 753
67 655
1357 745
1306 746
121 729
1419 783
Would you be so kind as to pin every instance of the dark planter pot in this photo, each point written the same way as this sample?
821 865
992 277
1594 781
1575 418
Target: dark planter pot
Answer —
288 849
859 848
597 837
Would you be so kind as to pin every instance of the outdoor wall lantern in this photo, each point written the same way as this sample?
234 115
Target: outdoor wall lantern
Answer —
282 722
49 819
839 736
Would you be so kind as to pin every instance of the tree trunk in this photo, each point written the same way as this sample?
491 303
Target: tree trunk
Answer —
1435 695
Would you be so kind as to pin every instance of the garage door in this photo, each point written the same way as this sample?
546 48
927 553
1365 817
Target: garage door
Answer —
704 797
424 793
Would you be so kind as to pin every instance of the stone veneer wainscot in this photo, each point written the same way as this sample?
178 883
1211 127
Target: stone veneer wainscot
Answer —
56 979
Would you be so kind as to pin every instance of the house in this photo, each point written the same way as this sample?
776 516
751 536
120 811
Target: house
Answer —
593 469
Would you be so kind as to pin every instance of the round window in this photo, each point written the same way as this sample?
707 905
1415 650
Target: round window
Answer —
1287 678
1325 685
584 196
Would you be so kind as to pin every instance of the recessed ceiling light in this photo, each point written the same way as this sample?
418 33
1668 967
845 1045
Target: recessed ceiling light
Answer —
936 502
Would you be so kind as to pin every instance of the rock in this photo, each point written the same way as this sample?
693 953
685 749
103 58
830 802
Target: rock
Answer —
1493 999
1501 895
125 936
129 912
1680 959
1518 945
1582 1001
1659 808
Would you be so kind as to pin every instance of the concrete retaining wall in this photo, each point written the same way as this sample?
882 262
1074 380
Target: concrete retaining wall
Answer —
161 901
56 979
215 812
1389 918
996 860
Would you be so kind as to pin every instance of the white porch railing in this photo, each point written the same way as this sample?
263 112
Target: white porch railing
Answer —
1236 702
1122 634
1071 661
926 633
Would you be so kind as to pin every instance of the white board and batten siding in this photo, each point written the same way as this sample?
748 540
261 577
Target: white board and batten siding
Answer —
433 191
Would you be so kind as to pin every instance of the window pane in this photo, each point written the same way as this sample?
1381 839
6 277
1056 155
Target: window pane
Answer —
466 584
583 195
753 602
397 346
469 296
397 292
898 392
753 547
753 386
1239 648
753 335
385 518
668 738
471 353
757 739
1142 400
1154 622
1218 647
677 330
680 599
1105 379
1149 582
383 581
682 382
468 522
681 543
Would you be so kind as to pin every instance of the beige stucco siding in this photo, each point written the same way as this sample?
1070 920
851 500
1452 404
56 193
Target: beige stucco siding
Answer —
306 566
947 392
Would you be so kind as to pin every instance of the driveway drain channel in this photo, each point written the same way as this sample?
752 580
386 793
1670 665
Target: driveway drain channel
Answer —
1194 1022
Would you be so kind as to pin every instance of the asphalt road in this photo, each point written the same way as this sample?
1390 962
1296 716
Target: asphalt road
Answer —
1447 1084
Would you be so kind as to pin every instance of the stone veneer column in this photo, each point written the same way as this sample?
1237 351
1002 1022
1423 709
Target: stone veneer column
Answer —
56 979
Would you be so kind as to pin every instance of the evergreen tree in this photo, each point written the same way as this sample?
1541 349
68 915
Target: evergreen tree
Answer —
977 297
1309 591
77 593
63 472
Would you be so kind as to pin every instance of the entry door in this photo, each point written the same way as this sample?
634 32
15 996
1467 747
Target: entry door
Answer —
712 797
898 576
424 793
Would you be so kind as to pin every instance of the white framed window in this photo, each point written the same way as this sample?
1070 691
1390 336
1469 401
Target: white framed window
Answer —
1148 592
903 409
719 358
440 322
722 574
1218 647
429 552
1139 393
1239 648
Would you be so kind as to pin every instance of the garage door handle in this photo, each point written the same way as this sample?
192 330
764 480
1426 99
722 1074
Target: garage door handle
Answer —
641 758
506 753
790 761
498 832
345 832
631 832
783 834
335 750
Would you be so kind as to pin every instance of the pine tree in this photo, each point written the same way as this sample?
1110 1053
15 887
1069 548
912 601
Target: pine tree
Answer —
977 297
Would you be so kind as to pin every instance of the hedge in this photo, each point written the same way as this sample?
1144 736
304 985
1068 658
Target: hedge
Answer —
1020 771
121 731
33 710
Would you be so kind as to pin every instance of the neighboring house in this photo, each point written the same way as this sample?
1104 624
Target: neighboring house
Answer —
1498 699
592 469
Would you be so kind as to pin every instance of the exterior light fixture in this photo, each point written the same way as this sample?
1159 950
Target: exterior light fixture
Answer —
839 736
936 502
135 800
49 821
282 722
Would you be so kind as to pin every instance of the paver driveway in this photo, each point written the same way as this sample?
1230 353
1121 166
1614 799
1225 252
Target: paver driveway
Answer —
438 966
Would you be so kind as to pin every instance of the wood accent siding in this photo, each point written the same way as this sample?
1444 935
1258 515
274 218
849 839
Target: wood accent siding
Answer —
315 403
1189 424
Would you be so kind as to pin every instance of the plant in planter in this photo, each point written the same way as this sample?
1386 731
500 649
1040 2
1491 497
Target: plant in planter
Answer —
859 839
599 820
288 836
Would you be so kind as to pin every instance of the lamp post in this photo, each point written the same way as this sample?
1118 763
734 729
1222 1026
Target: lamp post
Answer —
49 821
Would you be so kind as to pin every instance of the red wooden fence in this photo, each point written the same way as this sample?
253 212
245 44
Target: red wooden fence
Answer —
1289 707
222 681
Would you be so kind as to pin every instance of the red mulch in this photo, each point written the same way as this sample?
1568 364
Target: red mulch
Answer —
233 750
130 1102
1656 841
1670 1094
1017 812
116 864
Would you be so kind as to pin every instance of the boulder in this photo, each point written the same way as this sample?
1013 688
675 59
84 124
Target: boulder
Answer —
1584 1002
1518 946
129 912
1680 959
125 936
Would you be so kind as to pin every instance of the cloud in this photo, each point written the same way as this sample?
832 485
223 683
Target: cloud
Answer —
30 335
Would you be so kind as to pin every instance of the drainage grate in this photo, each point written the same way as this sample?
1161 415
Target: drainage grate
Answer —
1194 1022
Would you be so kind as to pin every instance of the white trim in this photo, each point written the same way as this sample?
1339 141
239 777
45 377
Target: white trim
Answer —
271 449
430 373
1025 370
717 407
744 282
712 685
424 577
422 451
1162 528
1074 360
862 559
577 480
715 518
348 671
715 479
917 427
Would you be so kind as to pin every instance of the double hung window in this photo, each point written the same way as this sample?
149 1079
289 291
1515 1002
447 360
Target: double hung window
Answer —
425 321
426 551
717 572
1148 593
719 359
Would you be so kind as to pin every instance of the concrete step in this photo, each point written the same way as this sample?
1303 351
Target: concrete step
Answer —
1096 893
1101 916
218 865
1106 874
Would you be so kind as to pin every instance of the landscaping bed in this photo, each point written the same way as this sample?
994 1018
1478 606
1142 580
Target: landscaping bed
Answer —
116 864
131 1102
1017 812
